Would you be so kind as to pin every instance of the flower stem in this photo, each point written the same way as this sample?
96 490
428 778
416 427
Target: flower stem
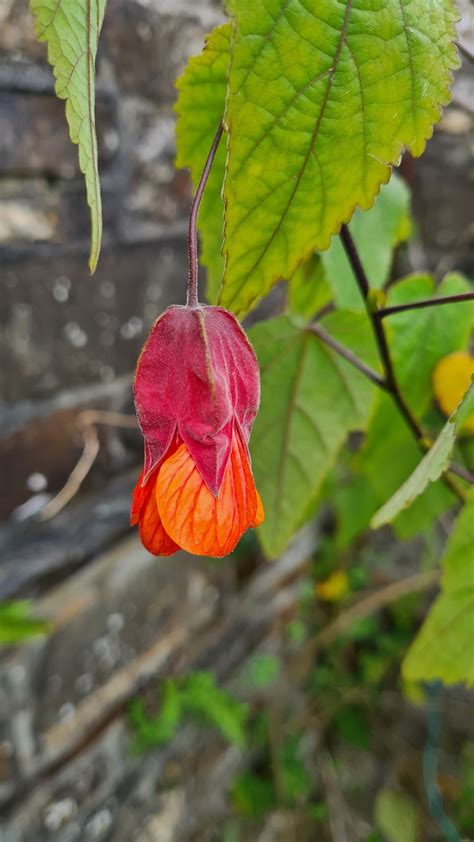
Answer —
192 297
427 302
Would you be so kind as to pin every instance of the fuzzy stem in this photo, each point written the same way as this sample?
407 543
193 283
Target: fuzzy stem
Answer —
192 297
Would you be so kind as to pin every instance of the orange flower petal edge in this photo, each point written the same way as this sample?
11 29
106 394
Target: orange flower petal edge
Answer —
196 520
145 513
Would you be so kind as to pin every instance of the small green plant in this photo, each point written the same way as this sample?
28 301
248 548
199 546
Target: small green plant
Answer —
195 697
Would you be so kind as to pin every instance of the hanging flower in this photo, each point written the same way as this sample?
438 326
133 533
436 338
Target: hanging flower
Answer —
197 392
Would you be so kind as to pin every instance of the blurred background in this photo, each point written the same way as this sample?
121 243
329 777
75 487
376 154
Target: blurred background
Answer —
76 761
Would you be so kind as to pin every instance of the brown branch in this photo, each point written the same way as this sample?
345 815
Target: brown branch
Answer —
87 422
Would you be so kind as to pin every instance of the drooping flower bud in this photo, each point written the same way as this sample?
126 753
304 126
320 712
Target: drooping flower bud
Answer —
197 392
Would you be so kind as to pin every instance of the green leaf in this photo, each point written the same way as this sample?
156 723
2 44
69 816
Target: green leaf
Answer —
375 232
355 502
396 815
201 696
72 31
323 98
200 108
196 695
443 649
17 624
431 467
159 730
311 400
308 290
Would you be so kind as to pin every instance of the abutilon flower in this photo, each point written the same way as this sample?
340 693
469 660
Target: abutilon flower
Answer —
197 391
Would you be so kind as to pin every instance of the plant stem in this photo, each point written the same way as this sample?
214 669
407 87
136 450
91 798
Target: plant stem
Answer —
390 380
379 333
192 297
428 302
347 354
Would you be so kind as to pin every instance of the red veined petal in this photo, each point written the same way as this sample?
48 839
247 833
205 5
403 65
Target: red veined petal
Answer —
199 522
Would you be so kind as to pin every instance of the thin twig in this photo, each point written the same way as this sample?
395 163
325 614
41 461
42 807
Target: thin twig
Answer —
192 298
347 354
428 302
391 383
87 422
77 476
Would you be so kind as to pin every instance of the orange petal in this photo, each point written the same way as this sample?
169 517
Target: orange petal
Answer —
260 513
145 512
197 521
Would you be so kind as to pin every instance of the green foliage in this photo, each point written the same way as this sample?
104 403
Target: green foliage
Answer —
443 648
311 139
311 400
294 780
71 30
253 795
262 671
200 108
431 466
18 624
375 232
353 726
196 695
397 816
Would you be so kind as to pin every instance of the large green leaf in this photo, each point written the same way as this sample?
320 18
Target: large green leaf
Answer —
311 400
444 647
200 108
375 233
323 97
431 467
71 29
